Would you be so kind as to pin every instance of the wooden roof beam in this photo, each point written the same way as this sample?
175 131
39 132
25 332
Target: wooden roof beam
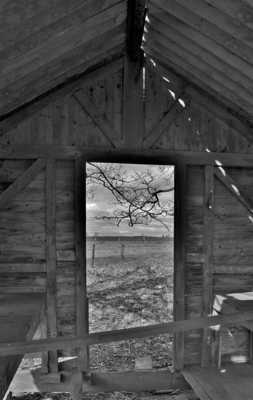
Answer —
136 10
200 79
218 18
204 41
238 94
163 7
76 61
169 28
97 71
237 9
204 100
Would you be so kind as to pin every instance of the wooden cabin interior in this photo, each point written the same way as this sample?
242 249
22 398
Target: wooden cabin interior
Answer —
161 82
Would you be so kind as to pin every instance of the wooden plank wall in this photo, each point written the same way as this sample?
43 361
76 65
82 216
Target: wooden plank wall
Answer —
65 122
194 259
232 255
22 232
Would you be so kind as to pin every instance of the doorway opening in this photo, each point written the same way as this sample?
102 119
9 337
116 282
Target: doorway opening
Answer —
130 260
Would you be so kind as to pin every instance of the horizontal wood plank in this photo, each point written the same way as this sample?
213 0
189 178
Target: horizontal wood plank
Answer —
133 381
107 154
9 348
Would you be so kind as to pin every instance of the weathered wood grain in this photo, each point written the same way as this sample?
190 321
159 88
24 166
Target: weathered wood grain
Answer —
51 258
82 316
208 264
192 17
21 182
199 72
179 268
164 124
133 103
169 32
100 121
8 348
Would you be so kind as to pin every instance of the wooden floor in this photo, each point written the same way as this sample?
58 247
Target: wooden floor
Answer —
19 317
232 382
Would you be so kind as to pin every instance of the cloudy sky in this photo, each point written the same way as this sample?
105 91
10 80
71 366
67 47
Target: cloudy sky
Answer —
101 203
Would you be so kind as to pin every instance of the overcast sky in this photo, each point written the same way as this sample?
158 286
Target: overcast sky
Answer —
102 203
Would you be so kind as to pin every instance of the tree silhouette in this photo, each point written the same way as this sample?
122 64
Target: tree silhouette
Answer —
140 197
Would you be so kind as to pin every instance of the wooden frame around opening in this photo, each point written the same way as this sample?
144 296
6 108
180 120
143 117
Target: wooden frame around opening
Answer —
178 263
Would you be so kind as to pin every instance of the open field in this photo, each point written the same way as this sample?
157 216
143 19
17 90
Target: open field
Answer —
129 291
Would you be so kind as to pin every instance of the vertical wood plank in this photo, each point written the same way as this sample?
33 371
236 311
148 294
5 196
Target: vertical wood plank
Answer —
179 261
51 258
133 104
82 312
208 263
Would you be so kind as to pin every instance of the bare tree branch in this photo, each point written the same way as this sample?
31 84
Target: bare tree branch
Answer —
139 197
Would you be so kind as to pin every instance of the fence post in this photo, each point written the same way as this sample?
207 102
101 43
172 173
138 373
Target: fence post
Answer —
122 251
93 254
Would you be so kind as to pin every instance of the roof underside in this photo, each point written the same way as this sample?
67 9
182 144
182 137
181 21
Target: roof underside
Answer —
208 42
44 43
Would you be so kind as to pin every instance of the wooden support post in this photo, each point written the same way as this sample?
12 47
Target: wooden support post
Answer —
133 112
82 312
43 332
250 346
208 263
51 259
179 262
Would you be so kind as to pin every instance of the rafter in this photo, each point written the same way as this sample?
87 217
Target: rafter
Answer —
219 19
200 81
62 56
9 121
186 13
167 30
201 73
204 99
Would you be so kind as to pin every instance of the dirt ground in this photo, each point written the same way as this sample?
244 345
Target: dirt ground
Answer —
135 290
130 284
